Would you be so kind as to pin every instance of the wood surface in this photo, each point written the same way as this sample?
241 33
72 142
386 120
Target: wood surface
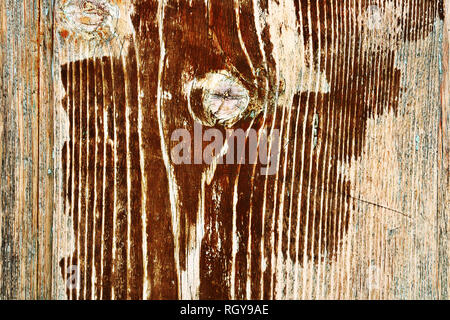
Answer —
93 205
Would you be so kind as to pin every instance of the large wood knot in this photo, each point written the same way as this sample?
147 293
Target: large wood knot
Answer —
218 98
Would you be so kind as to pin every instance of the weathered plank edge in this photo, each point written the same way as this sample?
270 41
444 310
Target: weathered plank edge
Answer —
443 165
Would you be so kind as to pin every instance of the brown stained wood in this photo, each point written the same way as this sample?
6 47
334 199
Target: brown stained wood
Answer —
94 205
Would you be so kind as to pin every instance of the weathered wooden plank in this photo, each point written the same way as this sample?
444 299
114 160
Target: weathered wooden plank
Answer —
27 149
353 205
46 148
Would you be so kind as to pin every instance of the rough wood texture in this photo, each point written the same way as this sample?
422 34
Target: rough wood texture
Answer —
94 206
26 148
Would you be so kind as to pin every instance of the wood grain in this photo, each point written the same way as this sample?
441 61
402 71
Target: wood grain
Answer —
27 130
93 205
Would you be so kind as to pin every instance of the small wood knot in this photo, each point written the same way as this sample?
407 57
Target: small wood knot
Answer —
90 18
